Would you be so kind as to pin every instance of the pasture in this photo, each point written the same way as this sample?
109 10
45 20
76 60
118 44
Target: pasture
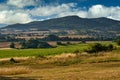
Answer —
42 52
105 66
70 48
60 63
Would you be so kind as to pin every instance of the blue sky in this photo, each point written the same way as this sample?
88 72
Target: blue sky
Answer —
24 11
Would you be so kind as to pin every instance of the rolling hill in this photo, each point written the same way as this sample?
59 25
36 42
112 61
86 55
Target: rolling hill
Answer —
71 22
91 26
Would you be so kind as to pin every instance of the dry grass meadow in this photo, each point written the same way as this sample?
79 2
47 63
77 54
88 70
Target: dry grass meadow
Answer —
14 70
104 66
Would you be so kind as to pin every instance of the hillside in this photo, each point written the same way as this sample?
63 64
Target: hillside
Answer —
85 26
70 22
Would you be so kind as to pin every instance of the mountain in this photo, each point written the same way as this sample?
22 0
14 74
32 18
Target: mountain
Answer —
88 25
3 25
70 22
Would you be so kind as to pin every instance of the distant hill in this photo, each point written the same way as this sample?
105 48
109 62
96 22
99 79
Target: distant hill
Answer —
3 25
71 22
99 25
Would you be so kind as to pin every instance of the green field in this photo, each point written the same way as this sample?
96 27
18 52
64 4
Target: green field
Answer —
46 52
42 52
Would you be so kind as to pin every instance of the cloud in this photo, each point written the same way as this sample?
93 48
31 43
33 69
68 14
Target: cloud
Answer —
12 17
62 10
94 12
11 12
98 11
102 11
3 7
22 3
52 9
80 13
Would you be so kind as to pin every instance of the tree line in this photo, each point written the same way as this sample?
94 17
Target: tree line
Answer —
8 38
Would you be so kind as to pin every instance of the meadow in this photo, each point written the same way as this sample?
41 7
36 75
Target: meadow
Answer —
42 52
60 63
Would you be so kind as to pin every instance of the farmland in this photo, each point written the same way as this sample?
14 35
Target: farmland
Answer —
105 66
60 63
70 48
59 40
42 52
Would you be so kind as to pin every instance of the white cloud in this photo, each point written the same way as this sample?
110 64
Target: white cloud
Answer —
98 11
69 9
11 17
102 11
3 7
22 3
82 14
94 12
114 13
18 14
52 10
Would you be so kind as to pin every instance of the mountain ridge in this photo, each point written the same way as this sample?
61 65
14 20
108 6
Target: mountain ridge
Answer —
85 26
65 22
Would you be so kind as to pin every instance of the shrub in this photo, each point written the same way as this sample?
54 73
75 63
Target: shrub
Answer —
97 47
12 60
76 51
118 41
68 42
83 41
34 43
51 38
40 56
110 47
12 45
59 43
44 45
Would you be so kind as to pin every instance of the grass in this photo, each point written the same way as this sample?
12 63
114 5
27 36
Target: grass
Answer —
105 66
43 52
58 66
81 72
14 70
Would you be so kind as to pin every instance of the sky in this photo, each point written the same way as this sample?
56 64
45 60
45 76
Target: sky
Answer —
24 11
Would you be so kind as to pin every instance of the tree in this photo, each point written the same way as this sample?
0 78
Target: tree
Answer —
59 43
83 41
52 38
34 43
12 45
68 42
23 44
97 47
110 47
44 45
118 41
